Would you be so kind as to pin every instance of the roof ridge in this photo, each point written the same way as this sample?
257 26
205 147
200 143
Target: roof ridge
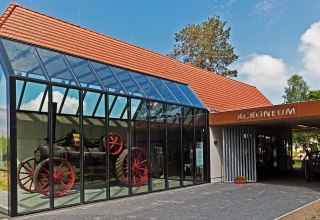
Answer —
129 44
8 12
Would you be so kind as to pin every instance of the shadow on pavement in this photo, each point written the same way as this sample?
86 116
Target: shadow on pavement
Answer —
293 178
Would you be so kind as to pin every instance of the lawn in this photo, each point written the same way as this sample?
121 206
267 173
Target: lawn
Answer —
297 164
3 176
3 184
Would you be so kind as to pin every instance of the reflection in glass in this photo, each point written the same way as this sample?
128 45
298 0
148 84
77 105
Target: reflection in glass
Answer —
31 135
188 145
200 132
24 60
91 101
84 73
177 92
94 155
40 63
117 105
118 148
190 95
147 86
157 140
31 97
66 170
56 66
128 82
70 102
140 128
163 89
107 77
4 187
174 145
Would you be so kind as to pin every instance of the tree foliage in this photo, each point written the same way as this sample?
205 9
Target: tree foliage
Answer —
313 95
206 46
297 89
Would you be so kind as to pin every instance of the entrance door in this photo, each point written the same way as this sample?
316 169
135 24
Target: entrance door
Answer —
267 153
239 153
273 154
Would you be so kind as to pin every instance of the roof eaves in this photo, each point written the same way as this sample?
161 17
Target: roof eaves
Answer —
7 13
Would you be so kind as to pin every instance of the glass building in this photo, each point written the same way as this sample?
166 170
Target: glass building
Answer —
75 131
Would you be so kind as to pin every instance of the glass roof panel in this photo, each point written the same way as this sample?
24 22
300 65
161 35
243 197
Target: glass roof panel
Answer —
128 82
40 63
147 86
163 89
190 95
84 72
177 92
24 60
107 77
56 66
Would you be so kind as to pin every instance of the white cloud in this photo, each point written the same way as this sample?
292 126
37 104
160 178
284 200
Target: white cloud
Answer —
3 132
70 105
267 73
264 6
310 50
3 121
3 113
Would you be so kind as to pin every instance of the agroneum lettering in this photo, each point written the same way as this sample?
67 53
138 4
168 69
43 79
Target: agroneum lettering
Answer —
268 113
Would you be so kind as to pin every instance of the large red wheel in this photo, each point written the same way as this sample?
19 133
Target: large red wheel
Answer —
139 167
25 175
63 177
115 143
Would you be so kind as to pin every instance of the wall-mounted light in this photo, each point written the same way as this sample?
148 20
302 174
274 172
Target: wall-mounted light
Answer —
215 142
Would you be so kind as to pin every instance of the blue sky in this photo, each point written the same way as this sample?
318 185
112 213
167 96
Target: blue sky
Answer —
274 38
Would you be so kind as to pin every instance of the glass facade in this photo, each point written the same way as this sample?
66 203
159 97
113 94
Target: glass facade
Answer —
4 187
200 138
158 145
88 131
32 131
174 150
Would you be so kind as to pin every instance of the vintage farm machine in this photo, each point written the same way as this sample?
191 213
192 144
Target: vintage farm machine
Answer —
311 164
33 173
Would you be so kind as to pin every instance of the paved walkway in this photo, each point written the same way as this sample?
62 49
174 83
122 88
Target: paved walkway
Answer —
266 200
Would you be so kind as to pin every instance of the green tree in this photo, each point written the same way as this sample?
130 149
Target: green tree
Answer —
297 89
313 95
206 46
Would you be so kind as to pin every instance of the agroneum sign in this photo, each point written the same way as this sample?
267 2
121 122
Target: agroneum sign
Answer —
267 113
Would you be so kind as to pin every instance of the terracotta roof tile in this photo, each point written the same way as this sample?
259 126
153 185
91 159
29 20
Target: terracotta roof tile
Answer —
217 92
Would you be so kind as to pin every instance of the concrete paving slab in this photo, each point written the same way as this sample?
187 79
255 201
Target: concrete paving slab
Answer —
208 201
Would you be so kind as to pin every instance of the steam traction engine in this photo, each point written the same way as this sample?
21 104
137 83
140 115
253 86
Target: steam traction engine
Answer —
33 173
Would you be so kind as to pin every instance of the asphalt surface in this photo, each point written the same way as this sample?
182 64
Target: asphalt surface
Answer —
268 199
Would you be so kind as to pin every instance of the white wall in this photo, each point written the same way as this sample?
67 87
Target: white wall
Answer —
216 154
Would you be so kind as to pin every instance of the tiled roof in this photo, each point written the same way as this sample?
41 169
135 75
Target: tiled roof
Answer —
217 92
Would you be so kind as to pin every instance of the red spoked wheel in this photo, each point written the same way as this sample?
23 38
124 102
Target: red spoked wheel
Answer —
25 175
139 167
115 143
63 177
